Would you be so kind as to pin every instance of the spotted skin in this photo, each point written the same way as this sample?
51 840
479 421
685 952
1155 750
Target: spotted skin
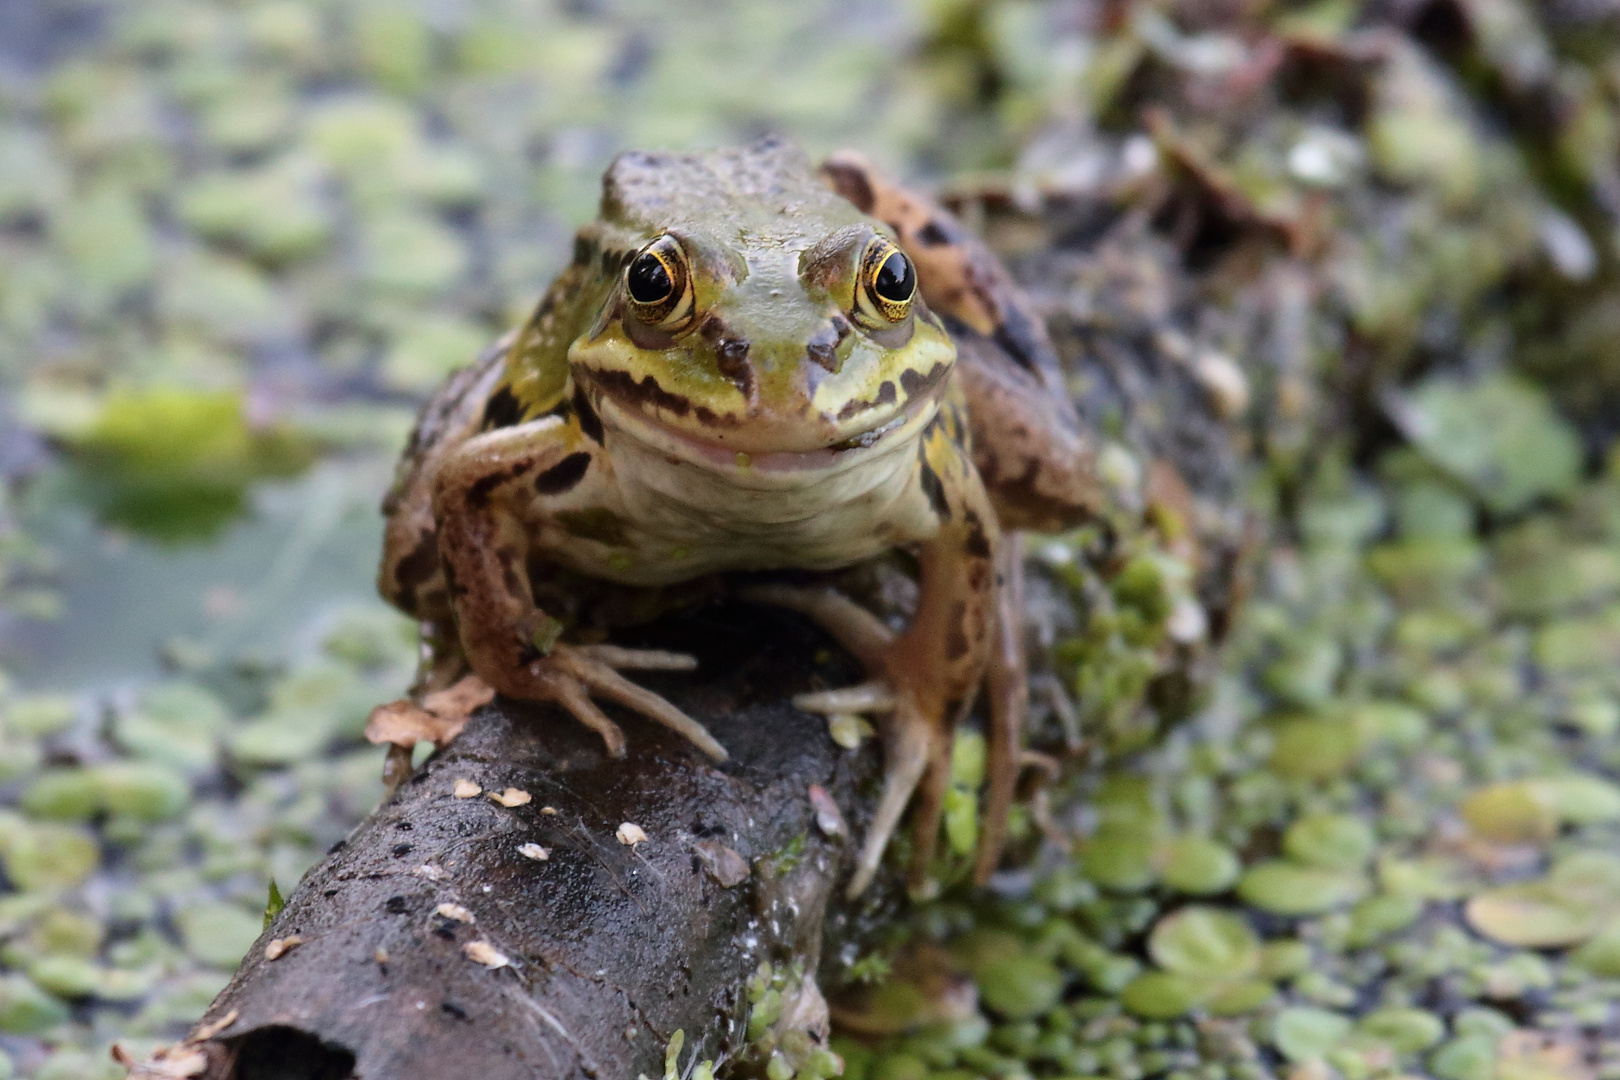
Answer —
769 411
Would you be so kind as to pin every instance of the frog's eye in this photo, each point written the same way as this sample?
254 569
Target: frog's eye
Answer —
888 282
658 284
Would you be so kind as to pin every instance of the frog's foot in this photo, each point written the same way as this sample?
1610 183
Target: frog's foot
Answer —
916 738
574 675
916 763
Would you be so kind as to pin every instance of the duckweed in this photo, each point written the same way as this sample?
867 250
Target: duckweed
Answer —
1432 639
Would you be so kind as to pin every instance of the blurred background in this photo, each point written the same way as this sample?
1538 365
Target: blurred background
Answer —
240 243
242 240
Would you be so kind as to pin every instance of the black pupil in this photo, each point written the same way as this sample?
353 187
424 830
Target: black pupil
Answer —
648 280
896 280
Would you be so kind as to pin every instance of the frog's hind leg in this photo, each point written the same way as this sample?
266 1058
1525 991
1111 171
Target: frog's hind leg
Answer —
1007 683
916 747
916 760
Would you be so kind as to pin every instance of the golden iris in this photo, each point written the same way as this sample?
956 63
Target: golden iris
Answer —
658 284
888 283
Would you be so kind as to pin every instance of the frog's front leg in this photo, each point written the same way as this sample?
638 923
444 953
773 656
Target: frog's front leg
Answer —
484 542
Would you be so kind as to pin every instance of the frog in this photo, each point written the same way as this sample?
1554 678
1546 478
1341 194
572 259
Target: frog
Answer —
753 364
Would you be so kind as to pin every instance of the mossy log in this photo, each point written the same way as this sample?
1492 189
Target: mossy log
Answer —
454 935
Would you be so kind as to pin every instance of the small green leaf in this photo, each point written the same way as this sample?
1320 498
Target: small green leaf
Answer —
1198 865
1205 943
546 635
1335 841
672 1055
1163 995
273 904
1286 888
1303 1032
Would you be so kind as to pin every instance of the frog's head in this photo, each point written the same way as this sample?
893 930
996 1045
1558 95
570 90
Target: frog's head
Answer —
749 315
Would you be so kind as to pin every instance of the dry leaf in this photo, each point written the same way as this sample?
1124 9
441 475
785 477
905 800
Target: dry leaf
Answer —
723 864
207 1031
167 1062
631 834
829 819
535 851
461 699
403 723
466 789
281 946
438 719
454 911
482 952
511 797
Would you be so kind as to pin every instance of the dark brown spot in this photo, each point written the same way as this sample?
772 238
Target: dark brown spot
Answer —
885 396
1022 342
584 250
956 642
480 490
612 260
510 581
933 234
977 543
915 384
934 490
503 409
599 524
851 182
564 475
623 385
978 576
590 425
416 569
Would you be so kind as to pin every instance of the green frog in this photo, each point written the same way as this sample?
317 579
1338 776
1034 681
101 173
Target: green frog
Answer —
753 364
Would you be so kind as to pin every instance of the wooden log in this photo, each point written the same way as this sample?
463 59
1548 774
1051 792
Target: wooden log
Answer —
522 930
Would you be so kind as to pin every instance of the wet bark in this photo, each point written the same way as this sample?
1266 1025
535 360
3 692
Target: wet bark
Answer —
610 947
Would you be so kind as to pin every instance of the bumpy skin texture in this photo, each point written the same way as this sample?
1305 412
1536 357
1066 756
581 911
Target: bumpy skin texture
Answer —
776 409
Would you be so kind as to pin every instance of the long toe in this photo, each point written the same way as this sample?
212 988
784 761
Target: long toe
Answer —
906 753
639 659
605 682
572 696
876 696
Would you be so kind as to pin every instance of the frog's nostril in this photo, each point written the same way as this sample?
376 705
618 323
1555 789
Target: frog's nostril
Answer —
731 357
823 344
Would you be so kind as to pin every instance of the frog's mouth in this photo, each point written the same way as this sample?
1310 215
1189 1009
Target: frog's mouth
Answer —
671 441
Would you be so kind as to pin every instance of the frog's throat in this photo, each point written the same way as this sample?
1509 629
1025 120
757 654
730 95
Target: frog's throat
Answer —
671 442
